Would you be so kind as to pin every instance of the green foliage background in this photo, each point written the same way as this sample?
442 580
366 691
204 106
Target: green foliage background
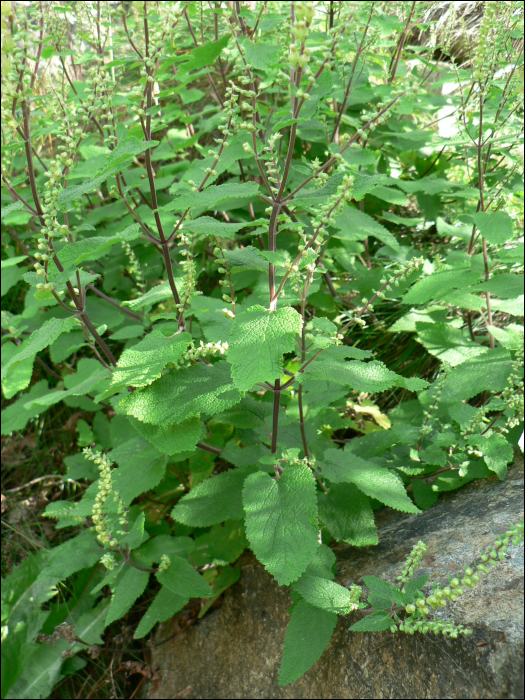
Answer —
269 262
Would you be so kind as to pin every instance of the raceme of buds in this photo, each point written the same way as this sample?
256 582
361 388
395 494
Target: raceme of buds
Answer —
412 561
164 563
108 560
105 488
293 56
300 31
305 11
193 354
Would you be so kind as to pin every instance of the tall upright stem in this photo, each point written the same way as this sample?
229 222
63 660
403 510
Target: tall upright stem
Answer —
276 406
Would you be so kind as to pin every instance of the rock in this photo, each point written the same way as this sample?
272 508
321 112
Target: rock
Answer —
235 651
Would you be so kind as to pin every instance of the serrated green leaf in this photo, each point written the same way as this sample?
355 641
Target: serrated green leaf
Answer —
322 563
391 195
515 307
117 161
214 323
165 605
20 375
347 514
436 285
143 363
214 500
375 481
245 456
312 198
10 208
489 372
172 438
413 586
183 393
90 373
383 589
506 285
207 226
451 481
423 494
512 253
132 585
370 377
93 248
407 323
224 543
136 534
377 622
261 55
325 594
307 636
142 469
69 557
510 337
125 150
249 413
211 197
10 277
452 345
257 341
355 225
12 262
181 578
151 552
154 296
324 325
65 345
497 452
68 514
365 183
16 416
281 521
247 258
40 339
495 226
204 55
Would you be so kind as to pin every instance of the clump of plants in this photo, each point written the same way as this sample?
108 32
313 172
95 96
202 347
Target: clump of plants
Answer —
212 213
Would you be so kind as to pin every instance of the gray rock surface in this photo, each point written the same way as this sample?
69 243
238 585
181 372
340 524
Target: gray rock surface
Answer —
235 651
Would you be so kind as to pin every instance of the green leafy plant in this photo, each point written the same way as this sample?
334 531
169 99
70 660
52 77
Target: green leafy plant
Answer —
318 602
218 208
